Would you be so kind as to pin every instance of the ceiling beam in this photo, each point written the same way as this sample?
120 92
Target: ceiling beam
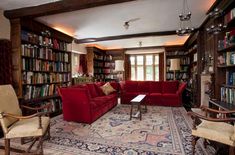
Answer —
58 7
128 36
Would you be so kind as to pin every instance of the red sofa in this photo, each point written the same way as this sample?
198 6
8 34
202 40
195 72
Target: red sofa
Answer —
163 93
86 103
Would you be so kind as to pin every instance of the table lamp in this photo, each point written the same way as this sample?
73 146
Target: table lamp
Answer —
119 68
174 65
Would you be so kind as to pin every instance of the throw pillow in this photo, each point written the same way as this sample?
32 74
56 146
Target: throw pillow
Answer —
107 88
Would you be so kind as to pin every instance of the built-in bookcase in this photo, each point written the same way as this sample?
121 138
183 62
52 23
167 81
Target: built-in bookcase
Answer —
183 73
100 64
44 64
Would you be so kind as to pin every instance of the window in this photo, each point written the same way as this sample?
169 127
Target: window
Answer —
145 67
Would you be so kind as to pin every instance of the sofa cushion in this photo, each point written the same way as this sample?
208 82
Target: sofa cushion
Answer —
155 98
143 86
107 88
92 90
170 86
115 85
102 100
155 87
131 86
98 89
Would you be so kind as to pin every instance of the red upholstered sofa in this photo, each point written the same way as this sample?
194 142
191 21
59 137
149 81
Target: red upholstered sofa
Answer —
163 93
86 103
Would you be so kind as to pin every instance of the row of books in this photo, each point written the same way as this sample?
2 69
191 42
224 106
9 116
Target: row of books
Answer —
40 78
31 92
56 105
183 69
99 70
227 58
99 57
230 78
99 76
43 53
109 64
227 95
98 64
178 76
41 65
229 16
110 76
43 40
229 39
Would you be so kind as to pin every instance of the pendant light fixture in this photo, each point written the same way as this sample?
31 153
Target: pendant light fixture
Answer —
185 21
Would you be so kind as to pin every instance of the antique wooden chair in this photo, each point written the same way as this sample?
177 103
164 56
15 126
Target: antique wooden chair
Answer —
15 125
219 130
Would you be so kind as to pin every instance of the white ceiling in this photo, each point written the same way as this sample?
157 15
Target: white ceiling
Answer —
155 16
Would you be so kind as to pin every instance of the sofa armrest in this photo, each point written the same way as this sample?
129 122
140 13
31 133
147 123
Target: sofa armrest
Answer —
181 88
76 103
122 86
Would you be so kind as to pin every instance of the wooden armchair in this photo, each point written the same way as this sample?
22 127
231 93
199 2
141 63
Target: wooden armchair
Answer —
15 125
215 129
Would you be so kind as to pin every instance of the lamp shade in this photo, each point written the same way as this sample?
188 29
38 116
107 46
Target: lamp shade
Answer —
175 64
119 66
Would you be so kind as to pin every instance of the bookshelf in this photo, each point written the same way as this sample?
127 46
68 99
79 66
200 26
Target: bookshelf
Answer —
182 74
41 63
225 90
100 64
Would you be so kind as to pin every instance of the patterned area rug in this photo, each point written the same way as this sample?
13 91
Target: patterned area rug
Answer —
162 130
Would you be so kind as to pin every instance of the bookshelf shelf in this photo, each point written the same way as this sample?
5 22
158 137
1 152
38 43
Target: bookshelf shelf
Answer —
226 66
228 86
230 47
35 100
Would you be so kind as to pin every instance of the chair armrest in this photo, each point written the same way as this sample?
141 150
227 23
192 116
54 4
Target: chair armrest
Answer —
217 111
195 115
181 88
122 86
47 106
22 117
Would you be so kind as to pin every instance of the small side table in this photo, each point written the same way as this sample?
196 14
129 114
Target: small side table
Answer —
137 101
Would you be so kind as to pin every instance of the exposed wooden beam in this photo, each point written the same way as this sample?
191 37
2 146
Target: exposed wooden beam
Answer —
155 47
128 36
58 7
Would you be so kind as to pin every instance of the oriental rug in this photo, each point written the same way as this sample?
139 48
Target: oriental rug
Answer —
162 131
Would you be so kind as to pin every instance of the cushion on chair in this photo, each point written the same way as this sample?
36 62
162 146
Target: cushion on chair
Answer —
28 128
215 131
199 111
9 104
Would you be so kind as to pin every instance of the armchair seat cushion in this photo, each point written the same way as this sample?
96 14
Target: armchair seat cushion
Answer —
216 131
28 128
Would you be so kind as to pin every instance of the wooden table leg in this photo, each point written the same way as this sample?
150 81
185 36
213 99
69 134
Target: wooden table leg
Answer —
131 111
139 108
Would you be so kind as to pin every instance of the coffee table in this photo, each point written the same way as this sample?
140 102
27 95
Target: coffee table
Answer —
138 100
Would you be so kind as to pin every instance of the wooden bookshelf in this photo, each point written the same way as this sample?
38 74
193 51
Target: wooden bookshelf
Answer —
182 74
225 75
41 62
100 64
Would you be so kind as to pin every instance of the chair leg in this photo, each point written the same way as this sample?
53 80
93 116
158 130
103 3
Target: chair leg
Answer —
7 146
194 141
49 134
41 145
231 150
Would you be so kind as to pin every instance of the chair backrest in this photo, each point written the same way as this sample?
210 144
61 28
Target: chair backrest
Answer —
8 104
